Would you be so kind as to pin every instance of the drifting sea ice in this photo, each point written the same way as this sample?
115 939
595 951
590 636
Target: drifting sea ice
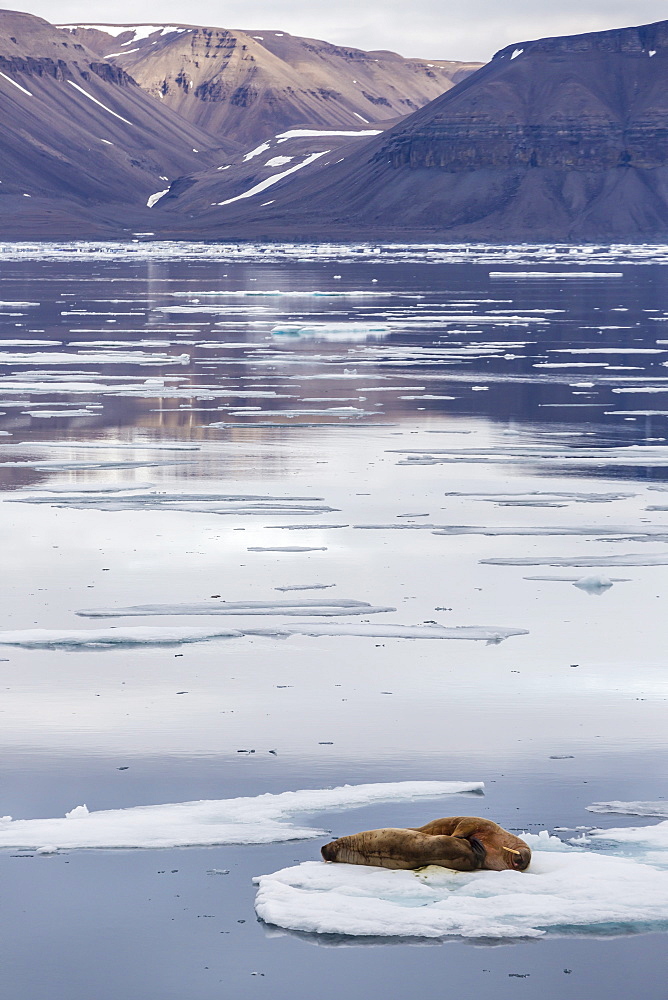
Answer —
649 843
563 891
90 639
592 584
332 331
285 607
614 560
632 808
262 819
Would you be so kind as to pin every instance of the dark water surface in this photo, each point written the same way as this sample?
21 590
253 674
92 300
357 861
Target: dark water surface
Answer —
437 395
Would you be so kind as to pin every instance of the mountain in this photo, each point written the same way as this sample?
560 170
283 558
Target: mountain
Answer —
83 147
560 138
250 85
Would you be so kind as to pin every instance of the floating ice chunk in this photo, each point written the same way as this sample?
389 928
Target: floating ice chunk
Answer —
174 636
201 503
561 891
613 560
560 494
45 466
94 358
332 331
649 532
262 819
24 305
577 579
490 634
113 637
287 548
52 414
286 607
631 808
594 583
556 274
307 586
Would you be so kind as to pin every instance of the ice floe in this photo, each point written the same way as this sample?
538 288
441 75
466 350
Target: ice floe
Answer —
287 548
261 819
176 635
332 331
556 274
286 607
563 891
659 809
593 583
630 559
194 503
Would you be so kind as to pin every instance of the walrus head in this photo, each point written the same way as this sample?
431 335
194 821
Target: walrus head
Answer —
496 849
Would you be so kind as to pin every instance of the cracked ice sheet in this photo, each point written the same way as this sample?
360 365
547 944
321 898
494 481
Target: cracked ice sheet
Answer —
260 819
93 639
564 891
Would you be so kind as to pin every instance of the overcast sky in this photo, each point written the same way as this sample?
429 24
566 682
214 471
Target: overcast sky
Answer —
445 29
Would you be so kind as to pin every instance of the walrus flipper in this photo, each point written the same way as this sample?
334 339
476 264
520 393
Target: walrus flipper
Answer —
405 849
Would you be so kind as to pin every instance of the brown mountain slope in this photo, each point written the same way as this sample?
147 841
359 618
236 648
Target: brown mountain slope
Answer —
82 147
554 139
250 85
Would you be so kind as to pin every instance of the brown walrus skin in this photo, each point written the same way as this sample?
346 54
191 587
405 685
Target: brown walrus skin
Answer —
464 843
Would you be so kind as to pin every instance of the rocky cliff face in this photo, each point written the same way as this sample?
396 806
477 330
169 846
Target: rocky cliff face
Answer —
558 138
83 147
587 102
251 85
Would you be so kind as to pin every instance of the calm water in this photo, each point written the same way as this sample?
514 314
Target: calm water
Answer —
166 411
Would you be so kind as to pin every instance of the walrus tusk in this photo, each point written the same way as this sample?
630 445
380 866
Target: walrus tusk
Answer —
511 851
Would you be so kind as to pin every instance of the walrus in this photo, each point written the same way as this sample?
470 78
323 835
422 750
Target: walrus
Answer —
463 843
